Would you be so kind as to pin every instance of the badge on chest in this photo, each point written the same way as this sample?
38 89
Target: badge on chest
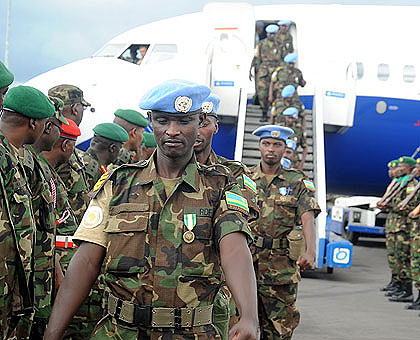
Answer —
190 221
284 193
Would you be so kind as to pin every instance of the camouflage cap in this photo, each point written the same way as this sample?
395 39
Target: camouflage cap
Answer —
6 77
69 94
59 104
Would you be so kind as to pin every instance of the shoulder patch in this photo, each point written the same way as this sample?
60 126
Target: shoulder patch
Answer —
28 159
236 202
100 183
309 185
249 184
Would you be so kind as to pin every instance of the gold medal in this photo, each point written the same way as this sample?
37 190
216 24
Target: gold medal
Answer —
188 236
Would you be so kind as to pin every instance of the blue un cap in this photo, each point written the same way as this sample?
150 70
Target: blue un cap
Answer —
286 163
288 91
211 105
290 57
272 28
175 96
273 131
291 144
284 22
291 112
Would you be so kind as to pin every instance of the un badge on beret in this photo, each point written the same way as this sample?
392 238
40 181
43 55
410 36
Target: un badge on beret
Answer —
207 107
275 134
183 104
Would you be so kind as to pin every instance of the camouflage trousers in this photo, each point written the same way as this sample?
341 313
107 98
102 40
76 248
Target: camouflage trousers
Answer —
415 254
390 240
262 81
401 244
20 327
107 329
277 311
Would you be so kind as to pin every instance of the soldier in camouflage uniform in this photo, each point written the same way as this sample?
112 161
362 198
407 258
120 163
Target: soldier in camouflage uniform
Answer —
25 113
389 222
73 173
288 98
286 223
134 124
148 145
206 155
284 38
163 227
289 153
267 57
401 234
103 150
6 78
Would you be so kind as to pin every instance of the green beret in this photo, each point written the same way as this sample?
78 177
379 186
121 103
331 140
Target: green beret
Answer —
407 160
29 102
132 116
149 140
6 77
111 131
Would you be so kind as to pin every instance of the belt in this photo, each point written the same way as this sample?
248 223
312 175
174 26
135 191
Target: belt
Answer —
271 243
64 242
158 317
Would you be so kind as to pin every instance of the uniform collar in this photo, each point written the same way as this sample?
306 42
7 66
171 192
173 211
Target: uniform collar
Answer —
258 174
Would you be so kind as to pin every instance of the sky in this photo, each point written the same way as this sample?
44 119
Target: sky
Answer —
46 34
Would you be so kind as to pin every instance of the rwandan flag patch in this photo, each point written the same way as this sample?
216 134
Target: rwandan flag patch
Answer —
250 184
309 185
237 202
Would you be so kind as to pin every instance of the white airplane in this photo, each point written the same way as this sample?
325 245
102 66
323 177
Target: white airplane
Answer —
360 64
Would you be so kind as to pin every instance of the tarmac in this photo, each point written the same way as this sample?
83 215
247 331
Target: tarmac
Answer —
347 304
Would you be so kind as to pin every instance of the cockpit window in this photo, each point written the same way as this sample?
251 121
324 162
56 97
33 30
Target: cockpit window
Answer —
162 52
110 50
135 53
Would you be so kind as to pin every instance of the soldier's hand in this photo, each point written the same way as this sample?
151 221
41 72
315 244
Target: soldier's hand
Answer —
413 214
305 261
245 330
270 99
400 206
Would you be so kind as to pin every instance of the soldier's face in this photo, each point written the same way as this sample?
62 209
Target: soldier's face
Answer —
205 134
404 169
272 150
416 170
3 92
289 154
290 120
283 28
290 65
270 36
175 134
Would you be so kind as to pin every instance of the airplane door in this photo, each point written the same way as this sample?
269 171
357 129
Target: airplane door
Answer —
338 96
232 27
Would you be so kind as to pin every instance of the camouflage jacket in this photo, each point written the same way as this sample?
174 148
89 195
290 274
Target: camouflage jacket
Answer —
125 157
93 168
73 175
299 136
43 203
148 260
279 106
282 76
282 202
242 175
401 221
285 42
17 238
267 52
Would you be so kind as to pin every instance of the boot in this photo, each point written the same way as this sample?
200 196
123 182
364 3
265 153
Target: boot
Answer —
397 289
415 305
264 116
389 286
406 295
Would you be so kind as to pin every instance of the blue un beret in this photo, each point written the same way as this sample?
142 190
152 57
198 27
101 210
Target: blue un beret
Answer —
273 131
291 112
284 22
272 28
211 105
175 97
288 91
290 57
291 144
286 163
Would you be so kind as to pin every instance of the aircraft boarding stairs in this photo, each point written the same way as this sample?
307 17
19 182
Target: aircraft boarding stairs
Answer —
251 153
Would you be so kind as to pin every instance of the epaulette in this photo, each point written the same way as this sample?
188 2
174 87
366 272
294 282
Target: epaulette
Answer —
92 167
214 169
28 159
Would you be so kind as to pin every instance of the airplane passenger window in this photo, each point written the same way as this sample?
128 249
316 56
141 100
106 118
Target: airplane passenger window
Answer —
409 73
360 70
383 72
162 52
135 53
110 50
